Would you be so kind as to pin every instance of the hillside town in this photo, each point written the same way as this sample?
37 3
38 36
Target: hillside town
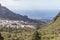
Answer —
17 24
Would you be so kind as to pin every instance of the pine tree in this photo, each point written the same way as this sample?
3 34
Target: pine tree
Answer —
1 38
36 36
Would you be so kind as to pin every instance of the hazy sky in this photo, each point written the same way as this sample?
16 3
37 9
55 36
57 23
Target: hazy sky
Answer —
32 4
18 5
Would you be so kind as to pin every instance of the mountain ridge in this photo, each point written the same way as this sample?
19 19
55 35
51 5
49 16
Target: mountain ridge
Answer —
5 13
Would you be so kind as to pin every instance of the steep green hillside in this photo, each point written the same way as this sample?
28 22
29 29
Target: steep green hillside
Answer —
52 31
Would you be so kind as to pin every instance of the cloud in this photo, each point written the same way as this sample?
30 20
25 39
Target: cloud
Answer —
32 4
18 5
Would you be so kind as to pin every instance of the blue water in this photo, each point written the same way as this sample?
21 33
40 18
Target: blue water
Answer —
38 14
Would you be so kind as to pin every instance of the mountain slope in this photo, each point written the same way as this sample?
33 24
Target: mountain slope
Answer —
5 13
52 31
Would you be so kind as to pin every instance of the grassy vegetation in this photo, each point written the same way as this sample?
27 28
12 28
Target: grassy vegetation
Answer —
9 33
50 31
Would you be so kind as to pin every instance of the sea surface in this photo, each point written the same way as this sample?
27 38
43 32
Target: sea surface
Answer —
39 14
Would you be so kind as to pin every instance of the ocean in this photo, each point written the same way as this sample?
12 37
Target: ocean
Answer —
39 14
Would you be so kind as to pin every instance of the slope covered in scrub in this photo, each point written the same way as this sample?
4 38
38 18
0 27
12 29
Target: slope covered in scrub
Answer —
52 31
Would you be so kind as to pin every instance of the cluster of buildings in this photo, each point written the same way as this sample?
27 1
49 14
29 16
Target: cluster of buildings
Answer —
17 24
